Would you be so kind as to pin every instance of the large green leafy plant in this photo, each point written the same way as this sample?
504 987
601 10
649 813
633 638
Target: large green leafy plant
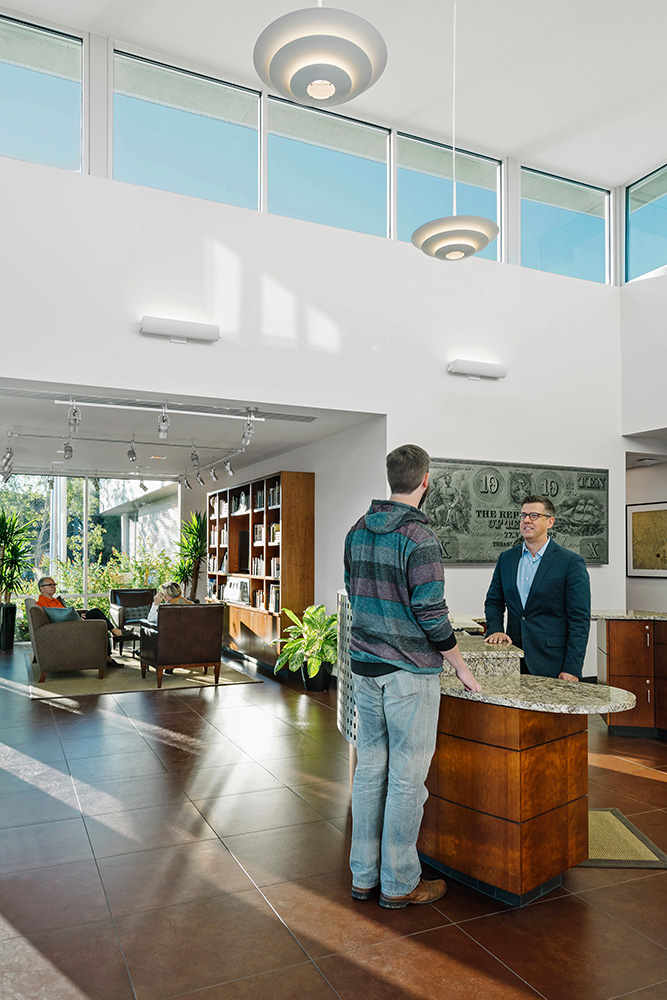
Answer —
15 550
312 640
192 547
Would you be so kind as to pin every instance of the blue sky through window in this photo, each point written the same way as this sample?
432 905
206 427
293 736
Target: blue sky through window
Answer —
562 241
40 117
179 151
647 237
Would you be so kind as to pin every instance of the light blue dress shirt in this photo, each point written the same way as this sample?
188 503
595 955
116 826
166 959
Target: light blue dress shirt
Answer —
526 570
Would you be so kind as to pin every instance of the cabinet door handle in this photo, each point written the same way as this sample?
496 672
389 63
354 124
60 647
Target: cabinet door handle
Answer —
648 695
648 640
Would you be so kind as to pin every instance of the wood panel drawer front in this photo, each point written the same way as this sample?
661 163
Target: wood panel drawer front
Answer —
516 857
660 632
498 726
643 714
660 660
630 648
514 785
661 702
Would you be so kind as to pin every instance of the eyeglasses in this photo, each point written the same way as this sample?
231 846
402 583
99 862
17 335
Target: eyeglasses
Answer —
532 514
47 585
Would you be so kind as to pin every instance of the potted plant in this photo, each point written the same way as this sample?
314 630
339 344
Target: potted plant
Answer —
312 646
14 562
192 547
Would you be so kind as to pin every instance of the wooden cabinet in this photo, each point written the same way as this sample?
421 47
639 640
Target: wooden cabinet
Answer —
628 658
261 557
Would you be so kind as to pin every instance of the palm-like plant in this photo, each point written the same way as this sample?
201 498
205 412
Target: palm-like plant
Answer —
14 551
192 547
312 640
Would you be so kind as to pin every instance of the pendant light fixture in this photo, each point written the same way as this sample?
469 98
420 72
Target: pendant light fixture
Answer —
456 236
320 56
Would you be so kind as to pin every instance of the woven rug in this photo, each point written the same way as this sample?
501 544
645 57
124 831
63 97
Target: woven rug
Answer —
614 842
126 678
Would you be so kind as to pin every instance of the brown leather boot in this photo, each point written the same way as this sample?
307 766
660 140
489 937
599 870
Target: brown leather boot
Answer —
424 892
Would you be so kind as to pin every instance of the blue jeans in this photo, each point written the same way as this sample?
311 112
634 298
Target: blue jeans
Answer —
397 717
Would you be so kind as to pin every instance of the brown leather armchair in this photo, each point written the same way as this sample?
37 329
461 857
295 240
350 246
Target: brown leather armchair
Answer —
186 635
128 608
64 646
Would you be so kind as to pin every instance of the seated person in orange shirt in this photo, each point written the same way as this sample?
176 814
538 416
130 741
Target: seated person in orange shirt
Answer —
47 599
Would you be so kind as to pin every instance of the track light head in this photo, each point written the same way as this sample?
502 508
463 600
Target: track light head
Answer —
187 484
7 457
142 485
214 475
73 418
228 467
194 457
199 478
163 424
7 474
131 452
68 451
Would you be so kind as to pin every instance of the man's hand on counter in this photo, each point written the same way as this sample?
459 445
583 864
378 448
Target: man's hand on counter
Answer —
453 657
496 637
567 677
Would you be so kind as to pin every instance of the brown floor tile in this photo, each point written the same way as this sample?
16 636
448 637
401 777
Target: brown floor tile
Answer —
579 880
654 825
212 782
325 919
69 964
657 992
463 903
169 875
179 730
143 829
303 770
294 852
81 726
280 747
330 798
187 947
641 905
650 753
297 982
441 964
118 765
265 810
25 775
602 797
36 806
583 953
128 793
50 898
200 755
241 723
36 749
343 823
102 746
142 704
642 783
43 845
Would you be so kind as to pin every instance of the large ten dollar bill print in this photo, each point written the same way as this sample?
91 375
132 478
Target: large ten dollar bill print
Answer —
473 507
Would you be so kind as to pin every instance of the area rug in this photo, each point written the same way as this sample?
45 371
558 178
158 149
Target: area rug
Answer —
614 842
126 678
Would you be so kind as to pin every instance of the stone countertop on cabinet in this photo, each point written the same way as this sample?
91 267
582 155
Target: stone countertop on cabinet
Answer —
465 623
543 694
484 660
640 616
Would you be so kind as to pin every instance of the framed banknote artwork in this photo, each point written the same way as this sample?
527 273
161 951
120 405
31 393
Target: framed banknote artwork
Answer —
474 507
646 539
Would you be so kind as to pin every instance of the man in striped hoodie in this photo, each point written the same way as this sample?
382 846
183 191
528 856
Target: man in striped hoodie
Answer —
394 579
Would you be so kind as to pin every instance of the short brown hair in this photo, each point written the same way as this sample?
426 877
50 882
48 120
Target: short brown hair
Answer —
406 467
171 589
545 501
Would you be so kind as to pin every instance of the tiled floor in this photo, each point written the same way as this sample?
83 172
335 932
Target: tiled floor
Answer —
194 845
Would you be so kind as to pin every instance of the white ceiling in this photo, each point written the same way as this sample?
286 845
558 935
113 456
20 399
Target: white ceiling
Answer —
39 429
575 87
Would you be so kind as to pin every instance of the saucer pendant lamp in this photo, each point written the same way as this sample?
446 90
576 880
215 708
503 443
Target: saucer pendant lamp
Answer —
456 236
320 56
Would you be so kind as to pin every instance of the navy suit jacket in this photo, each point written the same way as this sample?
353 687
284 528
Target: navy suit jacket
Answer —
553 627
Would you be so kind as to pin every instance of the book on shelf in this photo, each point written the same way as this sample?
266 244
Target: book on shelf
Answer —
275 567
224 508
224 537
274 496
274 597
274 533
211 588
258 598
257 566
223 563
259 500
212 540
258 533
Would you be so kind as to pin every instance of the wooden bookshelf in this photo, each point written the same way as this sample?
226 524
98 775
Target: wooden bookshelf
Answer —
261 557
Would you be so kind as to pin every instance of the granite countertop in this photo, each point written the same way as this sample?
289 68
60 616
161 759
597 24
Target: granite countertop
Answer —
464 623
543 694
630 615
485 660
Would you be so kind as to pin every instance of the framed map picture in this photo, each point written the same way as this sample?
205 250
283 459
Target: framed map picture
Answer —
474 507
646 538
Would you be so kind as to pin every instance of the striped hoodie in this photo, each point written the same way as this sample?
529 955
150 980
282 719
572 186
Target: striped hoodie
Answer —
395 582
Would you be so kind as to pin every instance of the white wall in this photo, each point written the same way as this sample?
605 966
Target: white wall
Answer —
315 316
644 354
647 485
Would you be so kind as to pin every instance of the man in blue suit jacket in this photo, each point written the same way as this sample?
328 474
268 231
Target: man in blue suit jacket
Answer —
547 593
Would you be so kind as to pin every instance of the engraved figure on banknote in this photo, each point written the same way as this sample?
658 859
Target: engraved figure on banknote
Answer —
448 504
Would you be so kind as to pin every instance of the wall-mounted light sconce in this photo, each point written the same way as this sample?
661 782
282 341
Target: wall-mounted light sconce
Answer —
179 331
476 369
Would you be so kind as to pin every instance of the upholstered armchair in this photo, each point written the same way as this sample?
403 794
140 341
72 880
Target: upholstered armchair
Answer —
64 646
127 608
186 635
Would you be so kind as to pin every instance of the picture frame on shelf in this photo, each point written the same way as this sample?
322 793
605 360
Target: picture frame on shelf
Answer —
646 539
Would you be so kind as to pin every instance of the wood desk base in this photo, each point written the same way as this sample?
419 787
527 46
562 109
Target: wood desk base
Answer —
508 804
